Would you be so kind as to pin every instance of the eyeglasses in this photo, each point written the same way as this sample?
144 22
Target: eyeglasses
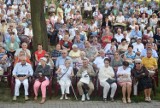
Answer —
138 63
63 53
46 56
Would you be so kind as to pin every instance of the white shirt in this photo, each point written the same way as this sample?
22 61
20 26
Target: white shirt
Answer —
68 72
105 73
108 48
53 19
138 47
72 31
87 7
150 34
20 49
99 61
28 32
122 71
119 37
120 19
108 5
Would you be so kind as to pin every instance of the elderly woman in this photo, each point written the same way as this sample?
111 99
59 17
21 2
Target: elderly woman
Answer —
130 55
106 76
3 58
42 75
65 72
142 80
49 60
124 80
65 43
123 46
116 62
75 53
153 22
91 52
17 59
12 45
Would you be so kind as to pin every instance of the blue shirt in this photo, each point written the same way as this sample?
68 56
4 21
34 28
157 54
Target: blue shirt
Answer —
132 56
60 61
144 53
135 33
23 70
80 45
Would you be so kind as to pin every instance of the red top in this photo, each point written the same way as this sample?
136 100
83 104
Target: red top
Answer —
65 44
40 55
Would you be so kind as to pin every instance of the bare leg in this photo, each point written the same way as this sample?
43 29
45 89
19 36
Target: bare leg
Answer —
124 91
129 88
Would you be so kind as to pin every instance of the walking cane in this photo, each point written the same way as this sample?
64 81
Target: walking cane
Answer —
74 92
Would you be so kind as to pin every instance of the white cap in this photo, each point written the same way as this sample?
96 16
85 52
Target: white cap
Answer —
44 59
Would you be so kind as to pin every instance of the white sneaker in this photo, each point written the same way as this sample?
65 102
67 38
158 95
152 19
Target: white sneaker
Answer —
26 98
61 98
87 95
149 99
83 98
14 98
66 97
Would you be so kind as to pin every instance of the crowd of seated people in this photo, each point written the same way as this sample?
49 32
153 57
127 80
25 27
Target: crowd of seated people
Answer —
117 47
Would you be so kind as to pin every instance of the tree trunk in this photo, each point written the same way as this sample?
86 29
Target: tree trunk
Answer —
38 24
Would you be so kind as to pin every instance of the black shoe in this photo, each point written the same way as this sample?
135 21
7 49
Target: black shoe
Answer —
104 99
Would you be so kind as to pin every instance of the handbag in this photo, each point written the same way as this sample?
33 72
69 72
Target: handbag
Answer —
42 78
110 81
126 79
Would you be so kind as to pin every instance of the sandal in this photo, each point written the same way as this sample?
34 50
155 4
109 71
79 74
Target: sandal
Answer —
129 100
43 100
124 100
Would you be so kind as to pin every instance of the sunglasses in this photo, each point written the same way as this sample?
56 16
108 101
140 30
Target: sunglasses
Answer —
138 63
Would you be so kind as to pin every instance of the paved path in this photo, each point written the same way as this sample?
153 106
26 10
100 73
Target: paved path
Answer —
78 104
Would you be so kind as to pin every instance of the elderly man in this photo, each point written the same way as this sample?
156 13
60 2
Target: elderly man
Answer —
149 47
78 41
138 46
91 51
119 36
21 72
136 33
150 62
24 48
85 72
99 60
61 59
120 18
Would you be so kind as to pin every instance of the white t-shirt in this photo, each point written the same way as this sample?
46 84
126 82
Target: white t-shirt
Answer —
150 34
119 37
120 19
65 70
122 71
138 47
87 7
99 61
